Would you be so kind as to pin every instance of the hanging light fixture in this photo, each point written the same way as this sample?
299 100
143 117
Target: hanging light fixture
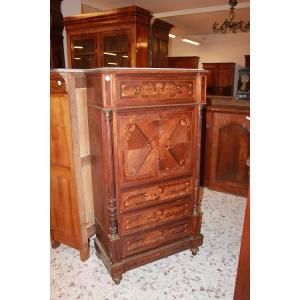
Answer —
230 24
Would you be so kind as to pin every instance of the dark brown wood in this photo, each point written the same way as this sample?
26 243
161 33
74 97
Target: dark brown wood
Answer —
242 284
159 40
145 141
186 62
226 131
124 32
247 61
57 59
220 79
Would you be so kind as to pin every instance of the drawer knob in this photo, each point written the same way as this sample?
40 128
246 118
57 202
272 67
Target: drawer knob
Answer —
107 78
59 82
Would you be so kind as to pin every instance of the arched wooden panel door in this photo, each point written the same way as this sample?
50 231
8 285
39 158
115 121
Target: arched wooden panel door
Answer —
230 151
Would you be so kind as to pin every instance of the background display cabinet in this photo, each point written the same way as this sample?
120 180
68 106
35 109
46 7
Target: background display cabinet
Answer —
186 62
121 37
159 41
227 145
113 38
220 78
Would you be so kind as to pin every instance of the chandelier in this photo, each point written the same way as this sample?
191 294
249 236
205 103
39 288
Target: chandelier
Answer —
230 24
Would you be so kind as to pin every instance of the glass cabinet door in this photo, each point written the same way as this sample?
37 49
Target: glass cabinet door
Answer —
116 51
84 53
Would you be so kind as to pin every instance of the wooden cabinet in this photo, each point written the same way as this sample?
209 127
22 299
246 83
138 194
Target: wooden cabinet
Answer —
242 283
57 59
247 61
220 79
114 38
71 200
144 143
227 140
159 40
186 62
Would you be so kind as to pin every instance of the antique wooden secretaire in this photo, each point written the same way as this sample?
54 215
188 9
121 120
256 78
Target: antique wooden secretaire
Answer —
144 142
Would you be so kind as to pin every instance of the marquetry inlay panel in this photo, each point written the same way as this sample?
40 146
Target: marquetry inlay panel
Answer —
155 238
156 89
148 218
155 144
154 195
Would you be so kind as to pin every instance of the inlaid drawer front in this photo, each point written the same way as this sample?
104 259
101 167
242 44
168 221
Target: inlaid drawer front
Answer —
144 89
148 218
155 89
155 195
155 238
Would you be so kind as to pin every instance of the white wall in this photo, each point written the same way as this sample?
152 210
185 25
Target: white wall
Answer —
217 47
69 8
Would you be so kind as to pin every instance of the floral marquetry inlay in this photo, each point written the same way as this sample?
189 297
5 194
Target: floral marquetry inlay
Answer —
156 89
157 216
156 237
163 192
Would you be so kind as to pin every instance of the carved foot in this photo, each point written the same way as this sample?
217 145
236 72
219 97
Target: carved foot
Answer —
194 250
117 279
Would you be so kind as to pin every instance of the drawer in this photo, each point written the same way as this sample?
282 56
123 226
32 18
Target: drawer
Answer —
153 195
147 218
145 89
155 238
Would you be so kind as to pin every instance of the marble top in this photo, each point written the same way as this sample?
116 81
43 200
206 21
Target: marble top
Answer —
107 69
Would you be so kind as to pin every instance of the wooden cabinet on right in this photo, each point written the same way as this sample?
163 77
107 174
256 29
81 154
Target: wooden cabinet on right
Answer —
242 283
227 148
220 78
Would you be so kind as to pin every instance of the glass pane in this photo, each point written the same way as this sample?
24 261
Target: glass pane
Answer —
84 61
116 51
84 56
86 46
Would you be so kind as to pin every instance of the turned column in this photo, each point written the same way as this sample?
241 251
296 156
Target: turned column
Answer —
112 203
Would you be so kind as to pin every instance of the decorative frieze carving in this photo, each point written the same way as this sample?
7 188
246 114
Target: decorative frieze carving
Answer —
156 89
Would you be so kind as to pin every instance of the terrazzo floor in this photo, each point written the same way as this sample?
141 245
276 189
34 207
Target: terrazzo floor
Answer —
208 275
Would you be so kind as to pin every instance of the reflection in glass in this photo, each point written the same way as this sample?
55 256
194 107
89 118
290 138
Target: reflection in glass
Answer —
116 53
84 55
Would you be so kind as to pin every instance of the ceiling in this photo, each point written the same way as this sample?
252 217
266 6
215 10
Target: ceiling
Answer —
189 17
